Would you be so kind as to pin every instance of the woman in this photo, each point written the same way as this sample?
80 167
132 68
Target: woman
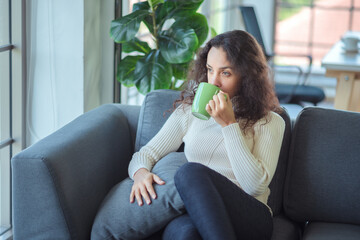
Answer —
241 142
232 157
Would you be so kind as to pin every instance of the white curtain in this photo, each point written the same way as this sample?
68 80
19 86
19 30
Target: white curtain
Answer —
67 49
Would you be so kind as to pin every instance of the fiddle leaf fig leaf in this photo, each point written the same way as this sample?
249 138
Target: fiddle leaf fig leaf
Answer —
213 32
177 31
124 29
135 46
126 67
180 70
152 72
181 8
141 6
197 22
153 3
177 45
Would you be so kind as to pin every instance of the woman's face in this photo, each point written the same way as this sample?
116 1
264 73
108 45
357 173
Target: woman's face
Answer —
220 72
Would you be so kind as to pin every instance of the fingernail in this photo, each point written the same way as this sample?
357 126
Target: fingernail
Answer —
153 196
148 202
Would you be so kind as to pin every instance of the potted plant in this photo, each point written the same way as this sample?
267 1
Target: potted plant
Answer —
177 31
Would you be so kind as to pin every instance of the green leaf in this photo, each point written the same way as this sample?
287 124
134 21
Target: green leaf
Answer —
141 6
124 29
180 70
153 3
135 46
152 72
125 71
182 8
197 22
148 19
177 45
213 32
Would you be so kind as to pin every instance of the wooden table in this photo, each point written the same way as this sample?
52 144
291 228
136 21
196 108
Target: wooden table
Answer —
345 67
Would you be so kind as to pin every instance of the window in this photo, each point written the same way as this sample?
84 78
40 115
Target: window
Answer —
5 113
12 82
313 26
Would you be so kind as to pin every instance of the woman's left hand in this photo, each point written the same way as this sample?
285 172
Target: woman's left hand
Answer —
220 108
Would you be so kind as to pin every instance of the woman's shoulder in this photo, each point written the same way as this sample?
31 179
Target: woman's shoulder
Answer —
271 120
183 109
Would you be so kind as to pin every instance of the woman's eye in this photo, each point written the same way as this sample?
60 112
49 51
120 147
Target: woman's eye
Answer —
210 70
226 73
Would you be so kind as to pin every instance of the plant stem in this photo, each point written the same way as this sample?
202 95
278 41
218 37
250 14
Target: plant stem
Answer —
154 26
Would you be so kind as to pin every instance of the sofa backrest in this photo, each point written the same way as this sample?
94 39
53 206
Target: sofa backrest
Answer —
277 183
153 114
151 119
323 176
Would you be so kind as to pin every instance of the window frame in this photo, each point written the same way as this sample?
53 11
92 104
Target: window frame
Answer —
17 91
310 44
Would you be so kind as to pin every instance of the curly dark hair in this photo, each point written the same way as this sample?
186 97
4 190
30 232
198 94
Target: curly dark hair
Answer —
255 96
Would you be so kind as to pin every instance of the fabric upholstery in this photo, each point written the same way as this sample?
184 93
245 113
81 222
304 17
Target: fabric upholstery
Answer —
131 113
277 183
323 173
154 112
59 182
331 231
285 229
124 220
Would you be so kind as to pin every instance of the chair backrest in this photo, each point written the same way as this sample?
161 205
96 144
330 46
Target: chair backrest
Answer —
252 25
323 176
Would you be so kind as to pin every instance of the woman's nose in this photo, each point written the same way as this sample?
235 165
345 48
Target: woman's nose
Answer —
215 80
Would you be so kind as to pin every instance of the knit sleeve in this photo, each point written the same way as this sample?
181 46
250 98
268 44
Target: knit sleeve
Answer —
167 140
254 168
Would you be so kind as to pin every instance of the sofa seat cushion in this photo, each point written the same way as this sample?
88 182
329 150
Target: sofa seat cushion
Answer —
331 231
284 228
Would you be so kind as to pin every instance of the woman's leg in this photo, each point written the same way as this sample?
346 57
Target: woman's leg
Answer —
181 228
218 208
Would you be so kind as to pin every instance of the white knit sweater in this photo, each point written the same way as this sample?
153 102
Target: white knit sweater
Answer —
247 160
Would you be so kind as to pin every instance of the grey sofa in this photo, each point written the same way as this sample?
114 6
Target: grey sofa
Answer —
59 182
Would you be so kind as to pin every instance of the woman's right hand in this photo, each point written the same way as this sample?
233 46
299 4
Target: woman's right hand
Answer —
143 186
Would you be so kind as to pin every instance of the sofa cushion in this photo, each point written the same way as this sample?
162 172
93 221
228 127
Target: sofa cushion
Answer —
285 229
153 114
331 231
277 183
324 163
119 219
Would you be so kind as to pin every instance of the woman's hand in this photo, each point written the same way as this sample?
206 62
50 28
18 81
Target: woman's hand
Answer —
143 186
220 108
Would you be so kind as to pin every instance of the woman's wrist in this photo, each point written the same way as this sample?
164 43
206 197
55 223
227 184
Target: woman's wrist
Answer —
140 171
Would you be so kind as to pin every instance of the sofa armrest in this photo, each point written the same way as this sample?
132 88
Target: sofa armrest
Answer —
60 182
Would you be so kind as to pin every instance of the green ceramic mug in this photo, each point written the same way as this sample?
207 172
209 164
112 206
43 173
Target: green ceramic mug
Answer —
204 94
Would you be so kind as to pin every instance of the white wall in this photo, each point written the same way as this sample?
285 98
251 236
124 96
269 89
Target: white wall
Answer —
66 64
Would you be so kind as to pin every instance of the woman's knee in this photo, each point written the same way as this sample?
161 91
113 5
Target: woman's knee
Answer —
181 228
191 176
188 172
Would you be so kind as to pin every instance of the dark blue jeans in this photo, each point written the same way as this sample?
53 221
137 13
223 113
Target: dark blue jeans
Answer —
216 208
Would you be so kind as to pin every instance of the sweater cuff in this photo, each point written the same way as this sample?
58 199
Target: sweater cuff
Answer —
136 165
231 130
